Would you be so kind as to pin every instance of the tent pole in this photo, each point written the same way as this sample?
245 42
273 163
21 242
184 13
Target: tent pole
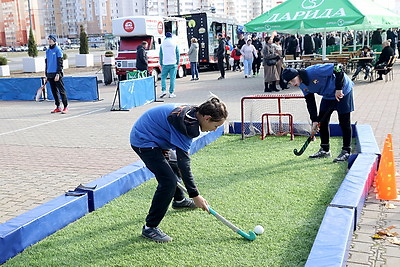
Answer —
340 43
355 41
324 45
363 38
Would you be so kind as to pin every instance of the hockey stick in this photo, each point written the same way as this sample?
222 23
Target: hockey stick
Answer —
249 236
39 92
313 133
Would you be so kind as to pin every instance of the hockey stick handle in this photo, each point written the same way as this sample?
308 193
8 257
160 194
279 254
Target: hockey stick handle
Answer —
223 220
250 236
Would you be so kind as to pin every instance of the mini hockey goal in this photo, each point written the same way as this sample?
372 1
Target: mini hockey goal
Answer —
274 114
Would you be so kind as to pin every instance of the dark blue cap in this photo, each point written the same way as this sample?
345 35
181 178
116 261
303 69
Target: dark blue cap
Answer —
289 74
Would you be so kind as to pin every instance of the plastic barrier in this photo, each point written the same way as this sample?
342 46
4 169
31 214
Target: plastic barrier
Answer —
355 186
331 246
78 88
19 88
38 223
134 93
366 142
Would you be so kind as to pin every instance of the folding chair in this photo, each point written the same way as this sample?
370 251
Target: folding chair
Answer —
387 70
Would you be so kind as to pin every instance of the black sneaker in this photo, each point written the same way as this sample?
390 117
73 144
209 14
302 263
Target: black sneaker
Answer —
186 203
343 156
156 235
320 154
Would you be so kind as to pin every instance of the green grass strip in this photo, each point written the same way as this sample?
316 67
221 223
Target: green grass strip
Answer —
249 182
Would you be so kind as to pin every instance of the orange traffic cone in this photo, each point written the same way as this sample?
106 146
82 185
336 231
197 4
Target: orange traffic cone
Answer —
386 177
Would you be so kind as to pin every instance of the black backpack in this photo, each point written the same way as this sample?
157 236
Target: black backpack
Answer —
238 53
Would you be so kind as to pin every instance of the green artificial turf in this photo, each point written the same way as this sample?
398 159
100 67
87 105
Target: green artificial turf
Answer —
249 182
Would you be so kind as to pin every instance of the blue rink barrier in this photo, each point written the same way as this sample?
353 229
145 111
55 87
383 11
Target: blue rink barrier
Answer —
32 226
354 189
332 243
19 88
38 223
78 88
331 246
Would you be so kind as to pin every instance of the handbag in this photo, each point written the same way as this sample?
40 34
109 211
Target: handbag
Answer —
271 62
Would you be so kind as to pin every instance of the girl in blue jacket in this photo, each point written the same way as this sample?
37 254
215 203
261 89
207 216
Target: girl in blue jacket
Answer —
336 89
159 130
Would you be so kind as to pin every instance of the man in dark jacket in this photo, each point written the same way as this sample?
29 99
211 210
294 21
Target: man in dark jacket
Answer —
376 38
141 57
221 55
308 45
383 60
257 60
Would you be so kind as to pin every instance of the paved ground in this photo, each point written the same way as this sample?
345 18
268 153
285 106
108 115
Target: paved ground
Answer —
43 155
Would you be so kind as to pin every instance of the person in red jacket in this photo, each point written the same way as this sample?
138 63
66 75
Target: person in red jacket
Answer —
235 54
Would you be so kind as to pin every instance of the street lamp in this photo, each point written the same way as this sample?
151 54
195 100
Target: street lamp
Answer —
29 12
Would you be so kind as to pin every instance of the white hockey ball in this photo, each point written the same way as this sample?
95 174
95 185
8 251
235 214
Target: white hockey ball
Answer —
259 230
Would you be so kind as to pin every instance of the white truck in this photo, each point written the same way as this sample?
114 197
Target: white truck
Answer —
135 29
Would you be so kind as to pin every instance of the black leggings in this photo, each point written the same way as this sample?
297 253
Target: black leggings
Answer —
345 125
166 190
57 88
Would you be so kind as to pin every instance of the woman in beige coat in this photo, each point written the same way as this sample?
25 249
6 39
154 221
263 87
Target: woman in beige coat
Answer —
271 74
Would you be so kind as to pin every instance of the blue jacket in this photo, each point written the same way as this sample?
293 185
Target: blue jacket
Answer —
154 129
54 60
322 81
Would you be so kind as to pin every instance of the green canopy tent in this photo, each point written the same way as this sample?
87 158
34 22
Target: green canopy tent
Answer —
323 15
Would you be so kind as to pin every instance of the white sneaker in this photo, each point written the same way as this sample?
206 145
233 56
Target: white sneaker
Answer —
163 94
172 95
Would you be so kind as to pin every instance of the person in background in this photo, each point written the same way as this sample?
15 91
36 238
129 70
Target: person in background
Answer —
364 63
141 57
276 44
248 52
159 130
336 89
221 50
228 48
193 54
54 74
384 58
236 54
271 74
257 59
169 59
307 45
241 41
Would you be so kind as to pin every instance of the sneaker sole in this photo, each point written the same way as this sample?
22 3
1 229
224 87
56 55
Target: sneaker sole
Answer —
320 157
157 241
182 208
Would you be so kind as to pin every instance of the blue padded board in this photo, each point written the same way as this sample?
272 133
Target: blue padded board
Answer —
354 189
331 246
366 142
38 223
117 183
